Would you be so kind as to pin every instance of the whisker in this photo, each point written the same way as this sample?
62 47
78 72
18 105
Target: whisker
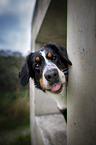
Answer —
67 76
65 71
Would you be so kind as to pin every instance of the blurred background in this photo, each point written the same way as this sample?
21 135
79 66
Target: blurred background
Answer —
15 45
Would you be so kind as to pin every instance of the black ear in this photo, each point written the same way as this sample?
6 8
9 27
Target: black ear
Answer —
61 50
24 74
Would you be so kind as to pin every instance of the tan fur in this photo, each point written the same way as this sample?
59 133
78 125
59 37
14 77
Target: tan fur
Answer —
37 58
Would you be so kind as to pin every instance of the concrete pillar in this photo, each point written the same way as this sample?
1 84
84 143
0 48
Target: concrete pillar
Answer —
48 25
81 44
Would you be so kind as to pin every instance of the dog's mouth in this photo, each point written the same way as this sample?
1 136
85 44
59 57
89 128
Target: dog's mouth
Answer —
57 88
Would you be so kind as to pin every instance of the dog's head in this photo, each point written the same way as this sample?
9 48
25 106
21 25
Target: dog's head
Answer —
48 67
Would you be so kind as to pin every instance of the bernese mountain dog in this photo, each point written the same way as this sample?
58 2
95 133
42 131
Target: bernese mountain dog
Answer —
49 69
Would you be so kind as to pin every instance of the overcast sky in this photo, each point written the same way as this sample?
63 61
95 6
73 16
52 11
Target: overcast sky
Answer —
15 25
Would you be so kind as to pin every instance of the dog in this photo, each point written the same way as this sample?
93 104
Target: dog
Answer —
49 69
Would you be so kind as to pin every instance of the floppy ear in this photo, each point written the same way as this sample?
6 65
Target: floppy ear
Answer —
24 74
61 50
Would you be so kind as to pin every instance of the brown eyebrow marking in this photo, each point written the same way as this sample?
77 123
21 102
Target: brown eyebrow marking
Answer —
49 54
37 58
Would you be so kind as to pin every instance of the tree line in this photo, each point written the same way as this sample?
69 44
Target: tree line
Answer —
10 65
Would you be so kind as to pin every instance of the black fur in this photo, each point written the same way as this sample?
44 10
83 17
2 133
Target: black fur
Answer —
64 112
61 51
28 71
29 68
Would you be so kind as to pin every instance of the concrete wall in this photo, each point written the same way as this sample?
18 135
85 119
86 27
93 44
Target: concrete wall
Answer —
81 45
48 25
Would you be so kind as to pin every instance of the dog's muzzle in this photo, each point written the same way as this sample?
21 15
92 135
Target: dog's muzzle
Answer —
52 76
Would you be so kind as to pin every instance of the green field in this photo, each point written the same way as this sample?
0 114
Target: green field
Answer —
15 118
14 109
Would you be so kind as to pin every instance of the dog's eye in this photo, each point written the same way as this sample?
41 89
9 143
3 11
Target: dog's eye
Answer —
36 66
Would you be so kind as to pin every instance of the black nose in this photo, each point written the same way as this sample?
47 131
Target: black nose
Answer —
52 75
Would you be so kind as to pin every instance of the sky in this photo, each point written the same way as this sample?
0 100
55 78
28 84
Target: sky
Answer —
15 25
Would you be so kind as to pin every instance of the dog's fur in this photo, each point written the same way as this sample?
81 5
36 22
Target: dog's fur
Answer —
49 69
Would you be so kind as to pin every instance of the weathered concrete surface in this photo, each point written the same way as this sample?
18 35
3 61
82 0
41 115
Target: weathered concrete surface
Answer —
39 14
53 28
53 129
81 43
48 24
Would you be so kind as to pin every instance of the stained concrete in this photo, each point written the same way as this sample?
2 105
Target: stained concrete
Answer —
53 28
53 129
81 45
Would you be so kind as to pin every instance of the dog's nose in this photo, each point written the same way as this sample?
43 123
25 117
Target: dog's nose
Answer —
52 75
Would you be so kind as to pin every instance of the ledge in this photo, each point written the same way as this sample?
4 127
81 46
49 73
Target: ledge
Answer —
52 129
50 22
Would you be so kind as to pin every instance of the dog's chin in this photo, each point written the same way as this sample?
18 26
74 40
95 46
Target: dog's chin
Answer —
56 88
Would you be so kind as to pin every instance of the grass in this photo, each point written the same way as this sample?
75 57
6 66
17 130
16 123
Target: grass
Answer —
9 123
14 117
16 137
14 109
22 140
